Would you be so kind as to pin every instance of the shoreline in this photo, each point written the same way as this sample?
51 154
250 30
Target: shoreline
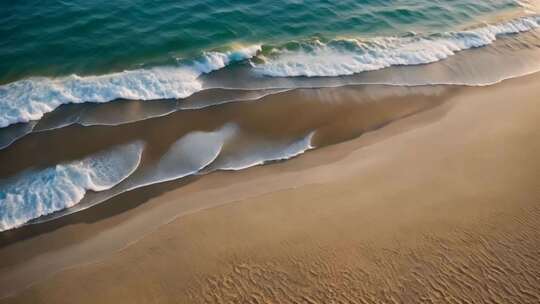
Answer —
239 133
238 195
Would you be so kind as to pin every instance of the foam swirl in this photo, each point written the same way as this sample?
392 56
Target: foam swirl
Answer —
37 193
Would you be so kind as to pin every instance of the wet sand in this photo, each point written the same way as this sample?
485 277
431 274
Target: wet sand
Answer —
279 117
442 206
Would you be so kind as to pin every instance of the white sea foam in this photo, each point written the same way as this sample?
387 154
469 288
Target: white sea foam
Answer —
212 61
37 193
260 153
351 56
198 153
29 99
187 156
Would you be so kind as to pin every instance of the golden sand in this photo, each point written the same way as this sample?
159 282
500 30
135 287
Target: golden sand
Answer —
439 207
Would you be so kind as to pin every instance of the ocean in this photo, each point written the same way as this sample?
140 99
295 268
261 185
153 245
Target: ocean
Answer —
99 98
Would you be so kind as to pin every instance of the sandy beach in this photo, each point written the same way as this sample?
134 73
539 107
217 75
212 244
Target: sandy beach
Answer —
439 206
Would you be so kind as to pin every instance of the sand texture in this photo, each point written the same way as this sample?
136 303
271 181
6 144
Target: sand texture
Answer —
439 207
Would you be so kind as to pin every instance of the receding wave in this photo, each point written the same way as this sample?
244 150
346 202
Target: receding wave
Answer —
33 194
123 112
14 132
351 56
187 156
260 153
29 99
193 154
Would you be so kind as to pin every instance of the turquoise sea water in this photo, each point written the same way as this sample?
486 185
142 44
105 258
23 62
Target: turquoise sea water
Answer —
52 38
134 65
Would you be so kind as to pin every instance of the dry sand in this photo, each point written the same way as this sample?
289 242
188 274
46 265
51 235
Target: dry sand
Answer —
440 207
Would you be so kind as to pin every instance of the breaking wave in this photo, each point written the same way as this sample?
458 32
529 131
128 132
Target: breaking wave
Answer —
351 56
33 194
29 99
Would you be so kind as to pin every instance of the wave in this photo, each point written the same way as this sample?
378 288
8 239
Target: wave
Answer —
187 156
34 194
197 153
260 153
29 99
123 112
351 56
14 132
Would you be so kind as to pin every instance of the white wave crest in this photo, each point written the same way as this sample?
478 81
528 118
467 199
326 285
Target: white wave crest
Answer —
38 193
351 56
29 99
212 61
